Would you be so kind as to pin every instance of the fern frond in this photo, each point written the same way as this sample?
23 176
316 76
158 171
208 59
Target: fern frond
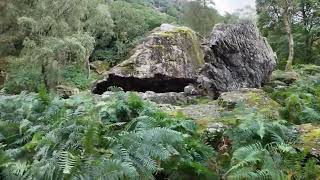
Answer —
91 137
248 155
66 161
17 168
109 169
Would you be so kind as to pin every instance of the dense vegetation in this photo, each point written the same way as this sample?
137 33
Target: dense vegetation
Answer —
123 138
294 20
53 42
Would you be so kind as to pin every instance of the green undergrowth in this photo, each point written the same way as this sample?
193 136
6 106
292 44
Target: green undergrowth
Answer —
255 146
191 39
123 137
45 137
301 100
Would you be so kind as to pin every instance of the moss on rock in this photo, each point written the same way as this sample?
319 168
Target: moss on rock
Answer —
286 77
310 139
168 60
187 35
308 69
251 98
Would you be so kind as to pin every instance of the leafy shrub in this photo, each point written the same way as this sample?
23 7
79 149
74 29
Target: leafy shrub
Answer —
77 76
259 145
301 100
302 166
23 76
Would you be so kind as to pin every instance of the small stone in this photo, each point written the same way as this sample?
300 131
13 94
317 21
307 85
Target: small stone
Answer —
216 128
191 90
165 98
276 83
107 94
66 91
167 27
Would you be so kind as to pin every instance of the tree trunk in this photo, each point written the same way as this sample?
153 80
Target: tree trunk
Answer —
44 76
286 20
305 7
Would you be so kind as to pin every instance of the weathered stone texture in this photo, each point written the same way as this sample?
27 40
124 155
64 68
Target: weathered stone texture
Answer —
237 56
167 61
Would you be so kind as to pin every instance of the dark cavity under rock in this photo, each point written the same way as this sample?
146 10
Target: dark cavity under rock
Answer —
158 84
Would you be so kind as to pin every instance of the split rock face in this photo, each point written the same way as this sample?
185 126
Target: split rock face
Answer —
236 56
167 61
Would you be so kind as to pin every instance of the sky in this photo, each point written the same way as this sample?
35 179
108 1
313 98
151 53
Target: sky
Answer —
231 5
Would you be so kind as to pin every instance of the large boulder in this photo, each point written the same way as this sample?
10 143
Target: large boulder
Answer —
170 58
236 56
167 61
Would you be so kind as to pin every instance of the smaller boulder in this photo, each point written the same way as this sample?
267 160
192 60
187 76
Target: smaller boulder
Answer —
276 84
202 113
191 90
100 67
217 128
215 137
310 139
107 95
288 77
231 99
66 91
253 98
172 98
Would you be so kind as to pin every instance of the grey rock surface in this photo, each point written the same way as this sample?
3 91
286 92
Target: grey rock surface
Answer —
288 77
236 56
191 90
230 99
208 112
66 91
217 128
170 98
